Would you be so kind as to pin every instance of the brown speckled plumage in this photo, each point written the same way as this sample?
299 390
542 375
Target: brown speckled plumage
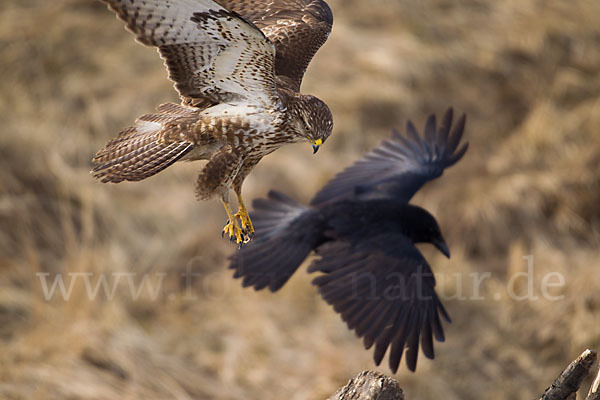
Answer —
237 66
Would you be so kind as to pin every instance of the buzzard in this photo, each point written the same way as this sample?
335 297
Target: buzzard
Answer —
237 66
364 230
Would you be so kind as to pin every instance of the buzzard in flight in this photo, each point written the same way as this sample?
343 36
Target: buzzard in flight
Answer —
364 230
238 66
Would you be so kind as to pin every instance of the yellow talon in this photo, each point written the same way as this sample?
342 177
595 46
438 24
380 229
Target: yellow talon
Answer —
244 217
233 231
232 228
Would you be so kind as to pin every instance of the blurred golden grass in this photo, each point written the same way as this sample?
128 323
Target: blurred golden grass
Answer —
526 73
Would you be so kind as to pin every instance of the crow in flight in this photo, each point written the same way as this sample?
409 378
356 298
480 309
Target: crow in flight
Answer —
364 231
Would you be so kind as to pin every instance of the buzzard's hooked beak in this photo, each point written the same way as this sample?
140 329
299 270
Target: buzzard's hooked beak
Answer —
316 144
441 246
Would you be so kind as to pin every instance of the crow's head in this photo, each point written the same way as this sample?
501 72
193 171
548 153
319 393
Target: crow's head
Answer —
422 227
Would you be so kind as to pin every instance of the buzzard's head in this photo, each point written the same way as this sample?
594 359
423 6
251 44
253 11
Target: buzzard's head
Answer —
314 120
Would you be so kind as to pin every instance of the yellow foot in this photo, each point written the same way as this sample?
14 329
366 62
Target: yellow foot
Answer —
247 228
239 226
234 232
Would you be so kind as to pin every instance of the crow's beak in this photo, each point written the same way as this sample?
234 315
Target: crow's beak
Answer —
441 246
316 144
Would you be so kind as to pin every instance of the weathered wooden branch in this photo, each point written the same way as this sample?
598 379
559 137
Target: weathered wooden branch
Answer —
594 393
369 385
567 384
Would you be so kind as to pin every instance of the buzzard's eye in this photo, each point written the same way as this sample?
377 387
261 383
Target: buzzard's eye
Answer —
306 125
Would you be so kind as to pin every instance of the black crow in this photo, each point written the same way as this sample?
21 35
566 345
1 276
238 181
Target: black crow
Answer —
364 232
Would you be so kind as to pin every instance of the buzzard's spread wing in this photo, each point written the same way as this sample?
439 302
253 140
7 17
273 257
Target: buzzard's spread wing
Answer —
384 293
400 166
212 54
298 28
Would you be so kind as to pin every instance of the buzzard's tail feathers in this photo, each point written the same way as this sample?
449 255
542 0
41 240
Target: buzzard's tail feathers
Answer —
137 152
285 233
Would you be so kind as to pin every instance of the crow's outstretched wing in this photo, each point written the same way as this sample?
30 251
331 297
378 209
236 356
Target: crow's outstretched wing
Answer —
297 28
399 167
384 290
212 54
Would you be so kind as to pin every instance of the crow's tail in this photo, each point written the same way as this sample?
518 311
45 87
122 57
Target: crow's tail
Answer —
285 233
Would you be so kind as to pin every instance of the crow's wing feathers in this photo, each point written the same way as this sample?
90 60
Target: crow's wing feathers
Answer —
286 232
399 166
384 290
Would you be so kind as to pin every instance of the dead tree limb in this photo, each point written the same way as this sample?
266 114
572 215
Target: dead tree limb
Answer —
369 385
566 385
594 393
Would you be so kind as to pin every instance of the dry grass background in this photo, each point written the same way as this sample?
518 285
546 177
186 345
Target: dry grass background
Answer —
526 72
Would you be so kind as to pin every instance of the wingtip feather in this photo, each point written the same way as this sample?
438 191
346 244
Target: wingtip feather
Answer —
457 133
